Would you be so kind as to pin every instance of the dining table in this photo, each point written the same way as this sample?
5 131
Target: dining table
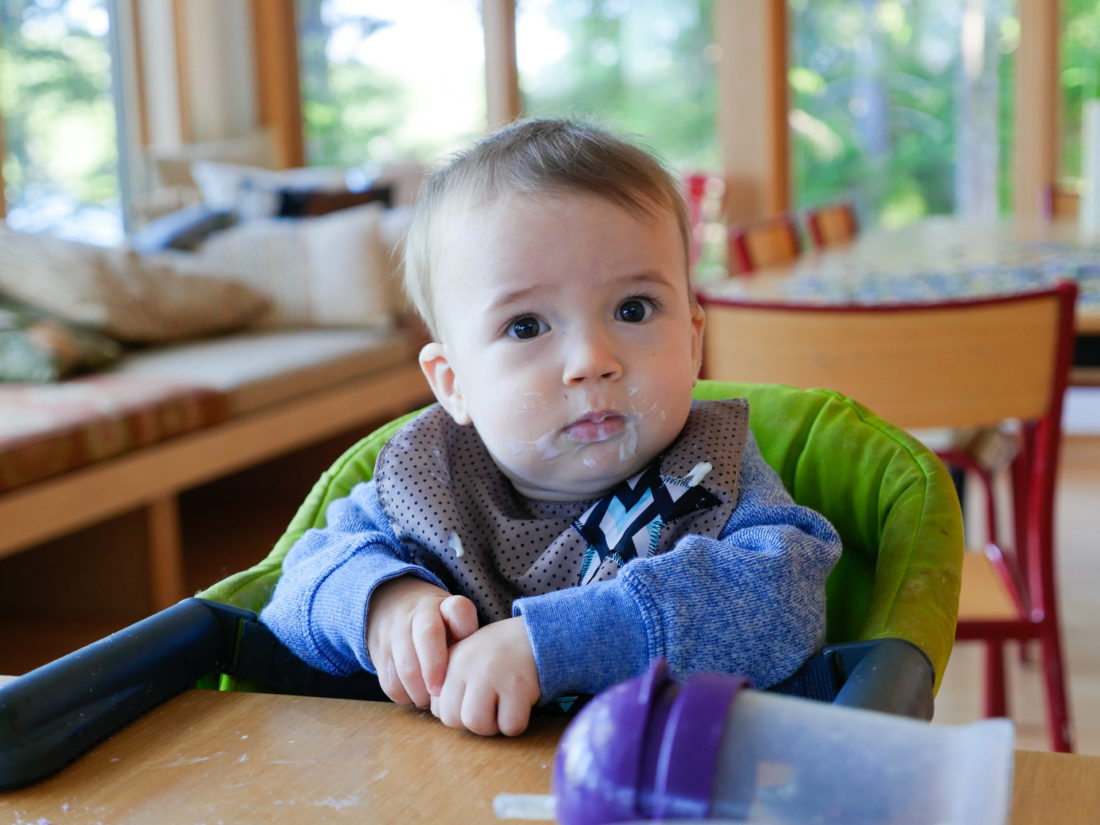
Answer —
932 259
220 757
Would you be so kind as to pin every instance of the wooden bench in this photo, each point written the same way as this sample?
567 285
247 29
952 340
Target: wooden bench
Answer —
267 414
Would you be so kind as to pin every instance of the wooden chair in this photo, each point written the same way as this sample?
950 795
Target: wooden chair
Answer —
969 363
1061 201
832 224
768 242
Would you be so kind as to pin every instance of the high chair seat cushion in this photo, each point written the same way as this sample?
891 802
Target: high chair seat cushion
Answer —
889 497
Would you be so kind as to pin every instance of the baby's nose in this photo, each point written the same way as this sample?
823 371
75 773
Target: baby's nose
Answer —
591 357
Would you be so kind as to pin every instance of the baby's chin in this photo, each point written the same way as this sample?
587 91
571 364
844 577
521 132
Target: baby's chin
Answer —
579 482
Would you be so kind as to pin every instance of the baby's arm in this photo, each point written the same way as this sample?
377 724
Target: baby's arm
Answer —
330 576
751 601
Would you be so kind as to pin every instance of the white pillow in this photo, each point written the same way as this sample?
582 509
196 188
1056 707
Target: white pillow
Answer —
331 270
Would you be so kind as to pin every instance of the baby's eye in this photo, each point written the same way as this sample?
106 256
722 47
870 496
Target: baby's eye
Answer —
526 327
634 310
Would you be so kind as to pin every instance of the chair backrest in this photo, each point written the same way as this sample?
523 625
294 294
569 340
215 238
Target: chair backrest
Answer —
889 497
769 242
832 224
951 364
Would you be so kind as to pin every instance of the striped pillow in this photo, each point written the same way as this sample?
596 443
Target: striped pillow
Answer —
119 292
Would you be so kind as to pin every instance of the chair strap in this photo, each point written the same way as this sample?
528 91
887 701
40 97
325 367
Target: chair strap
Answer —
819 678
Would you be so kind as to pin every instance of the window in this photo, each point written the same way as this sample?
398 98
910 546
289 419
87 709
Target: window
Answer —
58 103
388 79
1080 74
644 67
903 106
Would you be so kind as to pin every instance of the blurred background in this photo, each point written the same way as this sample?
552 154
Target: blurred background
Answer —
907 107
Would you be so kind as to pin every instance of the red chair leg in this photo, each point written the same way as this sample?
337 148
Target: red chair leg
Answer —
1019 474
1061 736
990 505
996 702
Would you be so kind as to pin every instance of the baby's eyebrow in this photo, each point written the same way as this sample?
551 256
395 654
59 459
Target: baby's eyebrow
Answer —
528 294
648 276
514 296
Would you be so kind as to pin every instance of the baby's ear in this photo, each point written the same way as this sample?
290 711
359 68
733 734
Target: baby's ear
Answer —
443 380
698 322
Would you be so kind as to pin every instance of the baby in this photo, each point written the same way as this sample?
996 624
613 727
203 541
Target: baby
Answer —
566 513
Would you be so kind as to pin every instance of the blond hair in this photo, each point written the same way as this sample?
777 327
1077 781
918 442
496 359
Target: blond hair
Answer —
532 157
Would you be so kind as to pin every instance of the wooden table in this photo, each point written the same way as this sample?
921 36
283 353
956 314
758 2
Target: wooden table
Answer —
934 258
208 757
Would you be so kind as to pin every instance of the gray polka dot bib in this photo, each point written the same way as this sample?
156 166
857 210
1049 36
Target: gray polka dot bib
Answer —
458 516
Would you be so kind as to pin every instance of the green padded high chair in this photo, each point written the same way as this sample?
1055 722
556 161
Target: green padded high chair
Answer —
892 599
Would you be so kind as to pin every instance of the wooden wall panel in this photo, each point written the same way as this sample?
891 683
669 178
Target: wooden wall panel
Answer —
502 104
1037 106
752 106
278 88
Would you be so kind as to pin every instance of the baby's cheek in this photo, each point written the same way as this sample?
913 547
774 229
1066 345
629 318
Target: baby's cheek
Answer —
531 404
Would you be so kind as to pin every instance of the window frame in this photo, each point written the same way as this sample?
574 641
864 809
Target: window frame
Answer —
756 162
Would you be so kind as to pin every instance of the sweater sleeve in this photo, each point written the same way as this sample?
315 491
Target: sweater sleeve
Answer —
319 607
751 601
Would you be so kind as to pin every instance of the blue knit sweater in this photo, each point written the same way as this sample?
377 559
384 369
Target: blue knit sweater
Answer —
750 601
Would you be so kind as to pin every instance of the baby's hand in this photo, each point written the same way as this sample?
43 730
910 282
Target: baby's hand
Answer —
409 629
492 682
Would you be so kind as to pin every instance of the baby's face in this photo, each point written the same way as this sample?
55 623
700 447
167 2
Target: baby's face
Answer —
567 338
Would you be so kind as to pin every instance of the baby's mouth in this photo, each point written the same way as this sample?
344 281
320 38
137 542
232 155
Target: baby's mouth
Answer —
596 426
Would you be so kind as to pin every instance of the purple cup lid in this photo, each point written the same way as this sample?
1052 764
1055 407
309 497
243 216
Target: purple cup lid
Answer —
646 748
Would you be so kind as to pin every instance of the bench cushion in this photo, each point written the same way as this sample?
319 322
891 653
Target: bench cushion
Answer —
257 369
160 393
50 429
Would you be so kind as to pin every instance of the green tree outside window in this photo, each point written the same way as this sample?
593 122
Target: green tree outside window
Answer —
1080 75
385 80
644 67
903 106
60 163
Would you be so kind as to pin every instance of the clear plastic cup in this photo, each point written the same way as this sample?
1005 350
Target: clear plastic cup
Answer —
653 748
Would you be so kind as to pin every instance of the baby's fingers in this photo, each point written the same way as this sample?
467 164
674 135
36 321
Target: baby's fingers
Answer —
513 713
429 635
447 707
407 664
479 710
460 616
391 684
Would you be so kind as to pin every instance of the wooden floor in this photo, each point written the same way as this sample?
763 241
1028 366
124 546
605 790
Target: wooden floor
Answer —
230 524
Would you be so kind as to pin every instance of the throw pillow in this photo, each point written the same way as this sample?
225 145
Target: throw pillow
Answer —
334 270
119 292
253 192
36 348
